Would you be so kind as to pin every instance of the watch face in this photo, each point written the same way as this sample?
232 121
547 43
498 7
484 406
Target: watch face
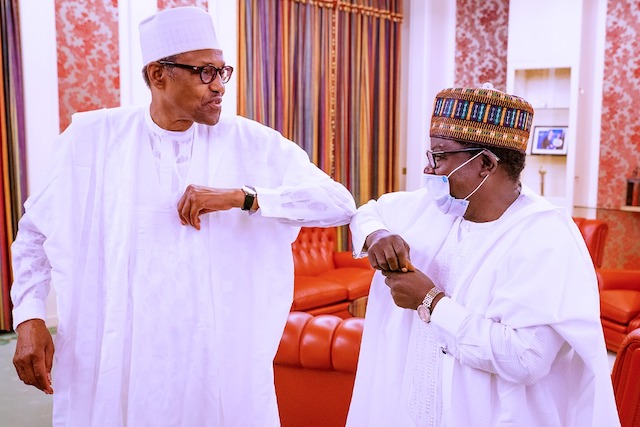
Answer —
249 191
424 314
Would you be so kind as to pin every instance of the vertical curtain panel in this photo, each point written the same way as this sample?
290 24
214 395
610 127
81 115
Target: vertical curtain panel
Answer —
12 155
325 74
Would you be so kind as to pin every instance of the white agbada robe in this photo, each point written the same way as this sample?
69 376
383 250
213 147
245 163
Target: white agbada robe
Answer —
516 341
161 324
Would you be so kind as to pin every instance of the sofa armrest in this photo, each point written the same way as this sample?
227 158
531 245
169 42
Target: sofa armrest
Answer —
609 279
345 259
626 369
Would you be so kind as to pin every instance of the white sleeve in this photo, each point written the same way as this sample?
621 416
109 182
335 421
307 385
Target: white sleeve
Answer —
522 355
365 221
308 196
321 203
31 272
31 265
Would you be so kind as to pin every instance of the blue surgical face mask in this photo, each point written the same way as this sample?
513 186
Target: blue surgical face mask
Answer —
439 189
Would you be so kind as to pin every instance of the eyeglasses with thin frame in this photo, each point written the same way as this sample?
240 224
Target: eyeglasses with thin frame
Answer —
208 73
433 156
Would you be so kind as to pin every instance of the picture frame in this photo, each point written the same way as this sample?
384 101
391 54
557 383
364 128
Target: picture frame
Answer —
549 140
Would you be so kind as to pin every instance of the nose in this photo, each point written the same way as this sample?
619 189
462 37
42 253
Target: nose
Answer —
428 170
216 85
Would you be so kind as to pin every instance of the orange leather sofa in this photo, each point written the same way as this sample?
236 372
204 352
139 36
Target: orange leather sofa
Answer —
594 232
619 289
314 369
626 387
619 304
326 281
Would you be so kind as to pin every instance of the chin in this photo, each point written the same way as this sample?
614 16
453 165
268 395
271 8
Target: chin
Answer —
211 120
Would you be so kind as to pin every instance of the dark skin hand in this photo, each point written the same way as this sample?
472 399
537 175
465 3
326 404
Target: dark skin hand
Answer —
390 253
387 252
198 200
33 358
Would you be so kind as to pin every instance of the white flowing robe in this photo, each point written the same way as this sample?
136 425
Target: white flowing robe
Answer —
516 342
161 324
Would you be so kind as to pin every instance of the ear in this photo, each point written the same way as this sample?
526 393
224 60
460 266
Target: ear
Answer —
489 163
157 75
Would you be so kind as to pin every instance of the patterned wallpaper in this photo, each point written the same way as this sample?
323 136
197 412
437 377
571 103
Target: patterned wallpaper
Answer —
168 4
88 56
620 137
620 134
481 42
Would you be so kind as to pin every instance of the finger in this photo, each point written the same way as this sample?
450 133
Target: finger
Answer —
26 374
408 267
193 213
381 261
48 363
392 259
182 208
41 375
194 216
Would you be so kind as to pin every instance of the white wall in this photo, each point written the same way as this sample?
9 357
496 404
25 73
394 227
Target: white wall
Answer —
40 71
562 41
428 60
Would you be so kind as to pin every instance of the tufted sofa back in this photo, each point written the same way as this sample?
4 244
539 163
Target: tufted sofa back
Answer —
313 250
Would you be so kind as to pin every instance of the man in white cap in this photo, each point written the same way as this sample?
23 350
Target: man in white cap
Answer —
166 232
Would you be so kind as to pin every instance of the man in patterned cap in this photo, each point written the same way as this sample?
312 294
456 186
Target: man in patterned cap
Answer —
484 310
166 232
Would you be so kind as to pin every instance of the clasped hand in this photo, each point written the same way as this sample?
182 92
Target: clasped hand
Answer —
389 253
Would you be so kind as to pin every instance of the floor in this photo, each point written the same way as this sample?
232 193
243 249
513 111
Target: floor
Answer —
24 406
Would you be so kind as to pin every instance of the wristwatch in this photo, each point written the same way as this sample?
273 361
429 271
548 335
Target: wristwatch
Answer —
249 197
424 309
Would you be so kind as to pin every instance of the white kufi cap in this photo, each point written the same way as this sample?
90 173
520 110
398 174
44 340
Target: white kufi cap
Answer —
174 31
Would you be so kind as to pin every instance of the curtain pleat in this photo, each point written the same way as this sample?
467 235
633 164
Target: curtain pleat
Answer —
325 74
12 162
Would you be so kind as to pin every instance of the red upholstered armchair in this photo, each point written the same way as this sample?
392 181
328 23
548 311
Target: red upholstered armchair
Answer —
626 387
594 232
619 304
326 281
315 368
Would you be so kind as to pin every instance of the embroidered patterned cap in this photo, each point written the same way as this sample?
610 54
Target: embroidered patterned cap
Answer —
174 31
482 116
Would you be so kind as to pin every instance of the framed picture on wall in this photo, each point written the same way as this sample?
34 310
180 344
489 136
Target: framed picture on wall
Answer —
549 140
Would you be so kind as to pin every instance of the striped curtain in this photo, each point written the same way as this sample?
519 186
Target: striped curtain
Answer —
325 74
12 162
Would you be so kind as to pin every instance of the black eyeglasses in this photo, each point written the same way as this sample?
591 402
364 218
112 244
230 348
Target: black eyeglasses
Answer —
433 156
208 73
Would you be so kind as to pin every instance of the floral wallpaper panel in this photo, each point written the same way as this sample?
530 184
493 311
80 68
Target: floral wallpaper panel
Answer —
88 56
620 132
482 29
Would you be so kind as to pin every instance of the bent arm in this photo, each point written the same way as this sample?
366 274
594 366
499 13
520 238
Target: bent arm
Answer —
307 196
522 355
319 203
